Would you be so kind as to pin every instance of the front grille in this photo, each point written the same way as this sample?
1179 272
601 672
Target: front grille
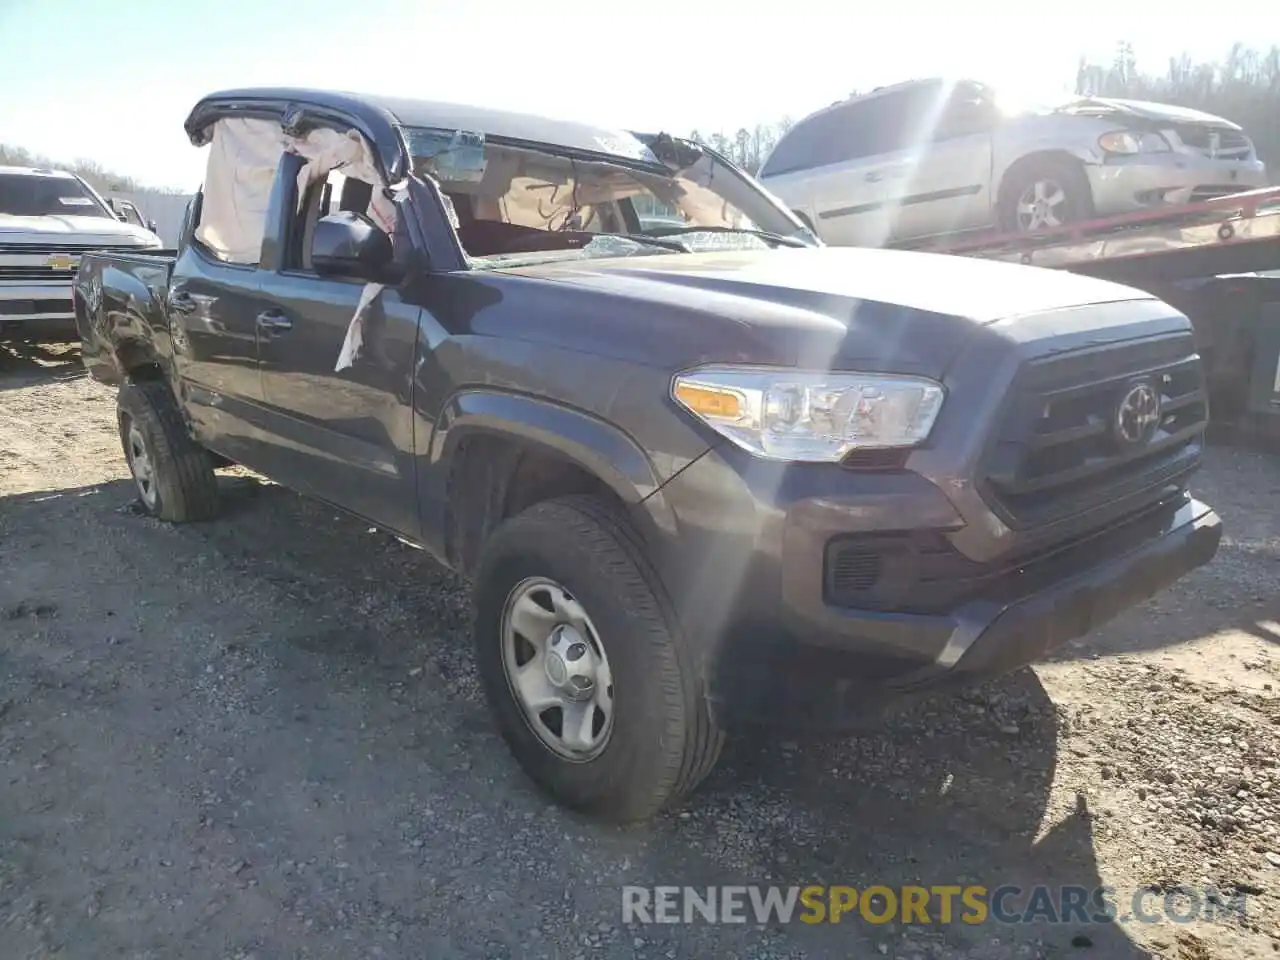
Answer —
66 249
24 262
1231 144
1058 450
26 272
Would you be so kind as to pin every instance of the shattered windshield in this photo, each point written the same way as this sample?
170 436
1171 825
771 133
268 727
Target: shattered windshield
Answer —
34 195
521 204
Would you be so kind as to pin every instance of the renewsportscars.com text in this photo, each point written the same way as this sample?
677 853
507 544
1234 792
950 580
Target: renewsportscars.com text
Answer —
937 904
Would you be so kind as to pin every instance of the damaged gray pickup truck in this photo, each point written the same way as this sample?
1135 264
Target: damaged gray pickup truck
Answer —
701 469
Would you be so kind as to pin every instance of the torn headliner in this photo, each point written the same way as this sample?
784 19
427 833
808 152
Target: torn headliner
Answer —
379 118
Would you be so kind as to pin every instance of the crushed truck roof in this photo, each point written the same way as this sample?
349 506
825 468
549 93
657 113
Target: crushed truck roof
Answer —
379 113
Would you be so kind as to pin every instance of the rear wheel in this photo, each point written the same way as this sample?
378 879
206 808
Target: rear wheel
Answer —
172 473
593 689
1045 193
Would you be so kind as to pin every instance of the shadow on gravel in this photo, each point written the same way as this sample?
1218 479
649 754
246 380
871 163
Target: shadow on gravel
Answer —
950 792
26 362
1236 591
1218 599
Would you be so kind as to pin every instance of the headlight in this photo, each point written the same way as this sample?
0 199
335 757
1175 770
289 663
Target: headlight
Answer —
784 414
1130 142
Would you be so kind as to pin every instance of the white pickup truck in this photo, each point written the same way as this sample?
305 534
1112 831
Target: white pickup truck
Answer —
48 218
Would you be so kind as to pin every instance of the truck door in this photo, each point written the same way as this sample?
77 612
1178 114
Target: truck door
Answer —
211 305
343 436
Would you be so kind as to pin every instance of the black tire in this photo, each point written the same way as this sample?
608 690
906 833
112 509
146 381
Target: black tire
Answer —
664 740
185 486
1062 171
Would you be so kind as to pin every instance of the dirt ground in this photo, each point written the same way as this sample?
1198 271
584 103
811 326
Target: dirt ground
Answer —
263 737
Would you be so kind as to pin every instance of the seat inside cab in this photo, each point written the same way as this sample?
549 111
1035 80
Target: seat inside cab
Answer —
527 201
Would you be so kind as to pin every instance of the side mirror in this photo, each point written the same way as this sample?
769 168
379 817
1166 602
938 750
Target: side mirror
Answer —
348 244
151 225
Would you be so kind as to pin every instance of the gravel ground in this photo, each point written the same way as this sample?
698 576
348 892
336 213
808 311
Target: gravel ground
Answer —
263 737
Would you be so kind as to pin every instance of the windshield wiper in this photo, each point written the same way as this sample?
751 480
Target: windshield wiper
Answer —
762 234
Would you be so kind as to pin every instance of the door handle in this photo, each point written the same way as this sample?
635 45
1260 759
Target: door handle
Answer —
274 321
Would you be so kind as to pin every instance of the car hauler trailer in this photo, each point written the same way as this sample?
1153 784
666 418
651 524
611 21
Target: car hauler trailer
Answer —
1217 261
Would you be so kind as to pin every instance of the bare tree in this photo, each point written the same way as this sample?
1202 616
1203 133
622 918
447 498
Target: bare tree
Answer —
748 147
105 181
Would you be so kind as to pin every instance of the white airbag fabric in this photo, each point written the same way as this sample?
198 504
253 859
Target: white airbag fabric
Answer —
243 159
326 150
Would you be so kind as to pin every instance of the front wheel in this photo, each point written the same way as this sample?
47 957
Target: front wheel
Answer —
593 688
1045 193
172 473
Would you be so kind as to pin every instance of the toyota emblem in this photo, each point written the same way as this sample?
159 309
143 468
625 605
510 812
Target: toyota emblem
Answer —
1138 414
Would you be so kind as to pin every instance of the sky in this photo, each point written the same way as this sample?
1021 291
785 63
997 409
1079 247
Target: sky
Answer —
113 81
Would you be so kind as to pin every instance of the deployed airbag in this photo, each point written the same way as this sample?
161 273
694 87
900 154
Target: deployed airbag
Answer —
244 156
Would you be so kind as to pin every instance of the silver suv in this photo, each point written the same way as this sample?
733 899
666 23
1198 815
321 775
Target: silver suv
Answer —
932 157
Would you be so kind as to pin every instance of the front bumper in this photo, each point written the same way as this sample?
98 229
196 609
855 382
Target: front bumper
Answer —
35 301
747 571
1126 184
989 640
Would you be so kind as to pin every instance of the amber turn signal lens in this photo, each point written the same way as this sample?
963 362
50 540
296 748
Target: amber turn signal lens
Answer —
710 403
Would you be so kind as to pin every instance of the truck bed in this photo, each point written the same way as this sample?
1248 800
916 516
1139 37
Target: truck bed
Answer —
130 289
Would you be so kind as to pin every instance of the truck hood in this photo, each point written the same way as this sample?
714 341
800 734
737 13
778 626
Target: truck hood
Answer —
1144 110
842 307
38 231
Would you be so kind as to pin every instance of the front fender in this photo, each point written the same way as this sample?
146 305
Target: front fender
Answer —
1075 137
597 446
